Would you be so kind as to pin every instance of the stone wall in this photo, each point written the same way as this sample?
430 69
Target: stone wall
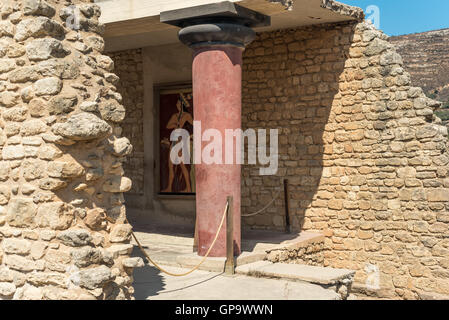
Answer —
366 160
63 229
308 252
129 68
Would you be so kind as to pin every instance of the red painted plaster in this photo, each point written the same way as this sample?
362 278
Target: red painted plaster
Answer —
217 92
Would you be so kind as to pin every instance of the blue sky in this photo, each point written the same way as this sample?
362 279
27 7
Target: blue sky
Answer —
398 17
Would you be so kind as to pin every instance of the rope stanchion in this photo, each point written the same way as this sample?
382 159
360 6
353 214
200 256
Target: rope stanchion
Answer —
198 265
151 261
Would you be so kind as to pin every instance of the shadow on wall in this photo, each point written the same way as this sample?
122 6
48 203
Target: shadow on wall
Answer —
290 80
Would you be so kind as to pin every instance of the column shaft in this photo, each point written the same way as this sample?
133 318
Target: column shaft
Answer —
217 91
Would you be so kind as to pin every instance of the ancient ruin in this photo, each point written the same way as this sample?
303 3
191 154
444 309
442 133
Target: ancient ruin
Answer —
365 156
63 224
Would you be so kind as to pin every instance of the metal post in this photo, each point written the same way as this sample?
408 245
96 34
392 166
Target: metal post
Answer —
287 207
230 262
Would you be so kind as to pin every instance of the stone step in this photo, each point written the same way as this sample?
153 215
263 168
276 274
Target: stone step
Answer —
266 241
338 279
312 274
304 248
177 250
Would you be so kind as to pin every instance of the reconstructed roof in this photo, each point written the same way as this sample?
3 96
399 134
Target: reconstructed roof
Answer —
136 23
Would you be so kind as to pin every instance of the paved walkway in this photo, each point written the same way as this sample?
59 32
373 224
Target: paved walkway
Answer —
150 284
165 242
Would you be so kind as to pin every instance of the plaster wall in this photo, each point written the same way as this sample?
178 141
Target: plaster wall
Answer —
151 69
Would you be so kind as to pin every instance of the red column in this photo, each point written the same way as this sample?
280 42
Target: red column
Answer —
217 92
218 34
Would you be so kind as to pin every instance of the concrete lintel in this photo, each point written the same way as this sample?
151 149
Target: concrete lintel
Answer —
343 9
225 10
136 23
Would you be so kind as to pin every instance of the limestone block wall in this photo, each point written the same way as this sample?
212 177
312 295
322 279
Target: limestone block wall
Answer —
310 253
129 67
63 230
366 159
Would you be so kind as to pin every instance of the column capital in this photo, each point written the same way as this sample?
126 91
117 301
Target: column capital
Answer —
224 23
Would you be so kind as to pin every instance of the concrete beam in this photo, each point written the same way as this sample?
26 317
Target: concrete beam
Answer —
136 23
223 11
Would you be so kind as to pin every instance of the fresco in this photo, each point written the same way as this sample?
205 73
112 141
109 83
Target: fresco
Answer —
176 112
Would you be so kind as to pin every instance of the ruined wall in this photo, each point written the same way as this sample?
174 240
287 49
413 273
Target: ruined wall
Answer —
129 68
367 164
426 58
63 230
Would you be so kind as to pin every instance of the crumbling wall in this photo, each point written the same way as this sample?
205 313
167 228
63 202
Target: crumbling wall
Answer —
366 159
129 68
63 229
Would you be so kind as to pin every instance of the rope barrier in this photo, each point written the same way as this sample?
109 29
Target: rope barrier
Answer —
198 265
264 208
151 261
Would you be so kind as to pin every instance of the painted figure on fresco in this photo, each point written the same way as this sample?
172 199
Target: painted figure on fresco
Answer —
179 174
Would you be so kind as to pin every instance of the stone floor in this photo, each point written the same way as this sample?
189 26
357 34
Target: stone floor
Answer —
165 242
151 284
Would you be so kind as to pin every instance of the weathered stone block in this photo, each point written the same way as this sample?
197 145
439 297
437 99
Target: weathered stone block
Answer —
5 194
52 184
95 218
57 260
117 184
16 246
38 7
24 74
82 126
120 233
7 289
9 99
62 104
43 49
33 169
20 263
87 256
17 114
436 195
105 63
21 212
75 238
37 28
7 65
42 279
48 86
122 147
55 215
112 111
95 277
97 43
133 262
